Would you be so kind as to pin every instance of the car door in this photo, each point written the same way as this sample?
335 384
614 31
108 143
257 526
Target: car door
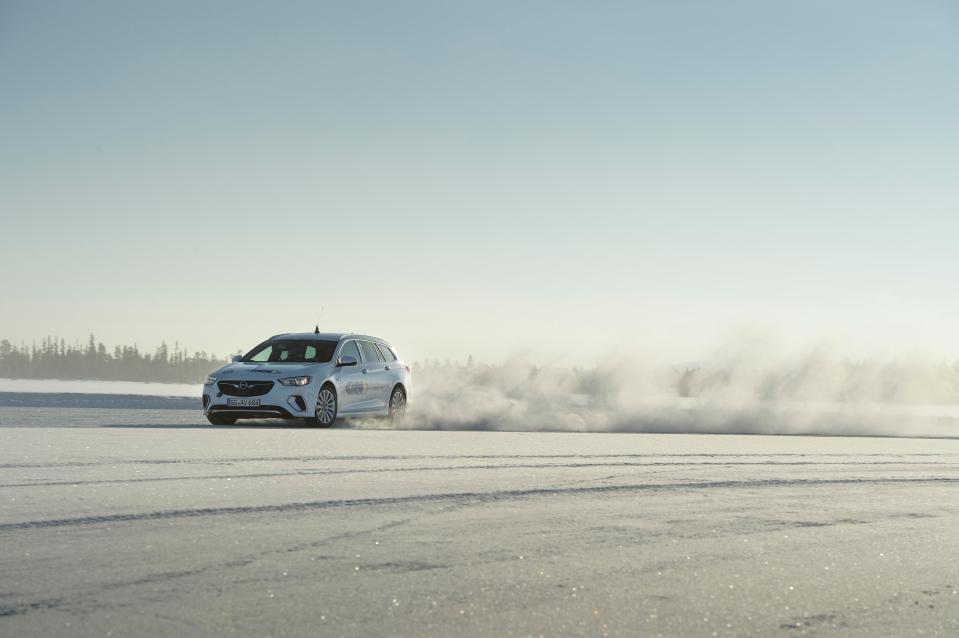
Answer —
374 367
350 379
391 368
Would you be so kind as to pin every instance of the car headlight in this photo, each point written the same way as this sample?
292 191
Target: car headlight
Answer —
295 381
210 381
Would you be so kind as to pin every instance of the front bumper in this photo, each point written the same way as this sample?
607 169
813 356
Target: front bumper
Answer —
281 402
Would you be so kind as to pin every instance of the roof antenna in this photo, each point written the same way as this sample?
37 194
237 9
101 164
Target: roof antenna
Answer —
316 330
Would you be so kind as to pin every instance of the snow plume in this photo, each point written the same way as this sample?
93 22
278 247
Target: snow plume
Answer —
818 392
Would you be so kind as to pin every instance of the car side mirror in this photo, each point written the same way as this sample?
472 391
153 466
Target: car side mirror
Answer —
236 358
346 361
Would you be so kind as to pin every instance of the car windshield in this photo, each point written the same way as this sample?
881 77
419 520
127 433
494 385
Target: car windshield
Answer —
291 351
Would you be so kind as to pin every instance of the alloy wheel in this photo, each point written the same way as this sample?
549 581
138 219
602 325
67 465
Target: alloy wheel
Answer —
326 406
397 405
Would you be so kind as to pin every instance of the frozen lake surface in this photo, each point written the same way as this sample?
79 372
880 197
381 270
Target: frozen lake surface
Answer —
58 386
149 522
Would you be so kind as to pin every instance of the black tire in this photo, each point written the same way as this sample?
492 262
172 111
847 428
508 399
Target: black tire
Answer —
324 411
397 405
220 419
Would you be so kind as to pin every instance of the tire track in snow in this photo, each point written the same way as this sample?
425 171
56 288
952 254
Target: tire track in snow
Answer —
444 457
470 497
446 468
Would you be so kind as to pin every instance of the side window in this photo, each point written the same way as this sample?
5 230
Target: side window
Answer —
349 350
262 355
385 352
370 353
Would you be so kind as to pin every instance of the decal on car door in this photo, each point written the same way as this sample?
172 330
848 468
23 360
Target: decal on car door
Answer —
359 388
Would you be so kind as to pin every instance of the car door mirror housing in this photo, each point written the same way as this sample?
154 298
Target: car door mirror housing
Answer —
236 358
346 361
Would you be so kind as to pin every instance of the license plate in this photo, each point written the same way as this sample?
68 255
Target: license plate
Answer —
245 403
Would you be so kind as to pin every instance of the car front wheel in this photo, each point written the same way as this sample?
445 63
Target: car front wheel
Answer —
325 413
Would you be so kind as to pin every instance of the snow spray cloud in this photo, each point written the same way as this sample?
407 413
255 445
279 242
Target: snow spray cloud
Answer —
817 392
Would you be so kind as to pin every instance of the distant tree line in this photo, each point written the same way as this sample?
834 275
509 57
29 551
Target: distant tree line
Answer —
54 358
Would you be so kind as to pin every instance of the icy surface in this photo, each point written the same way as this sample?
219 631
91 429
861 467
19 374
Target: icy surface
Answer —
152 523
80 400
101 387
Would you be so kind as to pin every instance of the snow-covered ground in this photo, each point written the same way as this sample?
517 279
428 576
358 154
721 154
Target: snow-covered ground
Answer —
152 523
58 386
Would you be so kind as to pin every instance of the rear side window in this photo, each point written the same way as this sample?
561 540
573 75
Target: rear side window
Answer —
385 352
370 353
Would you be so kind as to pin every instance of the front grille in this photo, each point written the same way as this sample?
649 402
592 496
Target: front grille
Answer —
245 388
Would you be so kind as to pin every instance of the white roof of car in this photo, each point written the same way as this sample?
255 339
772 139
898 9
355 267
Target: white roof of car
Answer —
324 336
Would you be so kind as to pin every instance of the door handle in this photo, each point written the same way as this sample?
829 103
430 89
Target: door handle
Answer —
386 367
365 370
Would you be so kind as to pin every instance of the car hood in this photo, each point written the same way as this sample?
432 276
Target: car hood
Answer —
250 371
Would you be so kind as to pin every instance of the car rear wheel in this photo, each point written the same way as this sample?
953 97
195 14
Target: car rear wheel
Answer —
325 413
397 406
220 419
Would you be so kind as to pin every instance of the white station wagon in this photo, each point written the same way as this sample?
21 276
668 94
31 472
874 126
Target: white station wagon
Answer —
315 376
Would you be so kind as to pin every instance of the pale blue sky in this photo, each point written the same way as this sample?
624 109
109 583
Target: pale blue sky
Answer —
460 178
